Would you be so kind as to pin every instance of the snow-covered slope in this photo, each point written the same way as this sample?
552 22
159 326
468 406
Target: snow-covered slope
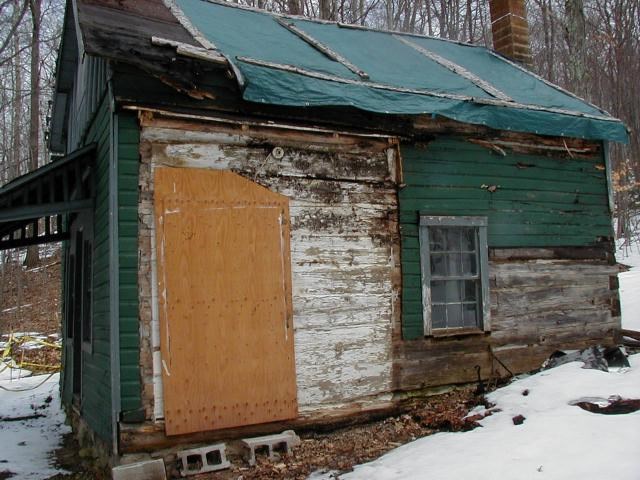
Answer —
630 287
27 446
556 441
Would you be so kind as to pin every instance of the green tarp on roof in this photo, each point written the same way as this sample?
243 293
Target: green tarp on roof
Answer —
407 74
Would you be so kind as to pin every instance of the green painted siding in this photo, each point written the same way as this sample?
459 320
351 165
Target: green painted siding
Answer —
128 163
539 202
96 372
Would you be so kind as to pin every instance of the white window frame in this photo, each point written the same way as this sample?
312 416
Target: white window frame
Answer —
480 224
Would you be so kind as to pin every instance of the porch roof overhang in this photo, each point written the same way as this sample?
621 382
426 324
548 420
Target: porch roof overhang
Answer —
32 206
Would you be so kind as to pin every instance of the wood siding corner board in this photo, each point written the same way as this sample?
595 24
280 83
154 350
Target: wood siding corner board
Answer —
343 210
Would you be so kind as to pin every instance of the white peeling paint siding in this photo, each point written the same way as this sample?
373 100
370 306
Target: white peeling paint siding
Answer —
343 210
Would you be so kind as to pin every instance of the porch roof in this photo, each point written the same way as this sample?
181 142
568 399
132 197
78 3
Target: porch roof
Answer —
32 206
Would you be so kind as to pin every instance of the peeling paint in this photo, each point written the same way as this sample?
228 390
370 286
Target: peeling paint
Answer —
342 261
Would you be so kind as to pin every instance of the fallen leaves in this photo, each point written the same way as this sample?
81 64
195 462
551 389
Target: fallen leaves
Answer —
342 449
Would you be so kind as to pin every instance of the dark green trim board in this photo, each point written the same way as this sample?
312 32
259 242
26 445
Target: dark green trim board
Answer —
529 201
128 139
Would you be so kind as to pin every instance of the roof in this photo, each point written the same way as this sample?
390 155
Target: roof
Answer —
291 61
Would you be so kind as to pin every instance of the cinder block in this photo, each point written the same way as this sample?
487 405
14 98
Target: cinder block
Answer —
145 470
284 441
205 459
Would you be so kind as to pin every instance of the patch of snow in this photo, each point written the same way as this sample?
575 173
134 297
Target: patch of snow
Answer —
556 441
9 371
630 298
11 309
630 286
28 445
21 334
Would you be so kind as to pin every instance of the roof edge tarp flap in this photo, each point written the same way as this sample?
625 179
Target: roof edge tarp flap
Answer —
417 76
270 86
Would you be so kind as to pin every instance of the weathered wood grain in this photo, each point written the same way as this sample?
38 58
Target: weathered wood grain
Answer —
225 301
343 227
345 261
537 307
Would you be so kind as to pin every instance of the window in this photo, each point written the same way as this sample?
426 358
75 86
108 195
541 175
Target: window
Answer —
454 266
87 282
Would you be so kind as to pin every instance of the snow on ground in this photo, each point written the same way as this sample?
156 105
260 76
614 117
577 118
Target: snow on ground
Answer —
27 446
556 441
630 286
10 371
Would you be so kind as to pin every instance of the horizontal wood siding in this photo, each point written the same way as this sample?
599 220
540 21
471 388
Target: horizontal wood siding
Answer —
537 307
530 201
89 86
96 372
343 229
128 161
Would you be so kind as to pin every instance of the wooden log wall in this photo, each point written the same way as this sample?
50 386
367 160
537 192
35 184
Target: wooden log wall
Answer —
344 233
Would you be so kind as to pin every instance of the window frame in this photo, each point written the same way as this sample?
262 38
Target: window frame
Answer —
87 296
480 224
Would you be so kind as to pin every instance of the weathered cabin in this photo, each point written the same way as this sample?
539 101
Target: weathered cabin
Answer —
274 222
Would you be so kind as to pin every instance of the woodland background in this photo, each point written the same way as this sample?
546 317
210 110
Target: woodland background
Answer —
590 47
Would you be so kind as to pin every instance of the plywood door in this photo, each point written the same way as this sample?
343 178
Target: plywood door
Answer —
224 283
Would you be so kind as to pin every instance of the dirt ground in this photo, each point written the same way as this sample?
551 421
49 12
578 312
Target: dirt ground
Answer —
30 302
339 451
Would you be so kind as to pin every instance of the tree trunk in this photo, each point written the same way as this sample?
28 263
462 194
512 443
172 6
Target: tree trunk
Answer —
576 45
14 166
325 9
293 7
32 259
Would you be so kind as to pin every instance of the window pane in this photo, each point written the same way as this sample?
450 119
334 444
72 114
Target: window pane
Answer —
454 315
470 291
438 316
454 265
454 293
468 240
439 265
468 261
453 239
470 313
454 275
437 239
438 289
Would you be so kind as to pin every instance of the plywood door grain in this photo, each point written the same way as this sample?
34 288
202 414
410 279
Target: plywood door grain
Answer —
224 284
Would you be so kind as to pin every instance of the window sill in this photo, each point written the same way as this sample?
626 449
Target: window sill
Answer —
456 332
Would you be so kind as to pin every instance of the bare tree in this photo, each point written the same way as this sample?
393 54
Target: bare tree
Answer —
32 258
